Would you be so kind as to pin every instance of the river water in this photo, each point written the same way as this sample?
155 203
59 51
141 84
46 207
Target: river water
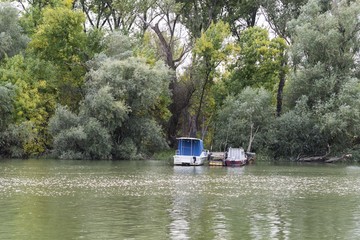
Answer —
52 199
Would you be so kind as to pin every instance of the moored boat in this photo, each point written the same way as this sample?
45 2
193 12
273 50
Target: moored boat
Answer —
235 157
190 151
216 159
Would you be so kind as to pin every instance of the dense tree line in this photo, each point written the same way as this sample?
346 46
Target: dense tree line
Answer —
92 79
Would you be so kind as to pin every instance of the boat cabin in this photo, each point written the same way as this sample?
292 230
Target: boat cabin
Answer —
236 154
189 146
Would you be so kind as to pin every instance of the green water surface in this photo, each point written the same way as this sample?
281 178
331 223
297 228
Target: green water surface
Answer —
52 199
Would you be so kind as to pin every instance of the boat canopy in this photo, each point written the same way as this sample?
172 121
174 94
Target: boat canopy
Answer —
236 154
190 146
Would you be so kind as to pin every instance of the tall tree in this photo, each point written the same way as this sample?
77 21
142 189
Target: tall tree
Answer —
324 50
209 52
173 49
278 13
260 61
197 15
61 40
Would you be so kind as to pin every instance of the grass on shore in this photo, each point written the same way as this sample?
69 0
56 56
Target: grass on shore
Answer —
164 155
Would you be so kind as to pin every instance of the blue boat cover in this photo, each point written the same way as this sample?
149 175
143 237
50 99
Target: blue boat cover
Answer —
190 146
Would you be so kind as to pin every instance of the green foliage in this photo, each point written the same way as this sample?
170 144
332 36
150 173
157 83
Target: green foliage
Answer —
79 137
116 15
297 132
259 62
12 38
60 37
15 139
132 81
336 123
281 12
145 133
33 100
6 104
165 155
340 116
115 105
241 14
211 47
32 12
210 51
63 119
198 15
329 38
115 118
126 150
102 105
323 90
60 40
146 48
248 113
93 44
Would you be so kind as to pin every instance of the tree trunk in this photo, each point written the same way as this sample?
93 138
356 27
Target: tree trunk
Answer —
279 96
181 95
207 79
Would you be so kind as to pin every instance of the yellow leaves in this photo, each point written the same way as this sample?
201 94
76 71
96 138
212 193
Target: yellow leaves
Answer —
68 3
215 44
60 35
203 45
213 38
42 84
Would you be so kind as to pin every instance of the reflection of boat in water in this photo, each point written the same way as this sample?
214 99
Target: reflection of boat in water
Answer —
234 157
198 170
190 151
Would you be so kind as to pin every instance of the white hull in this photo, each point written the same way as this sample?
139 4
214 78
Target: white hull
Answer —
189 160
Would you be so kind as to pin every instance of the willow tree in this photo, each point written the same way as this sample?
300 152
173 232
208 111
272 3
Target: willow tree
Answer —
12 37
324 52
244 120
115 119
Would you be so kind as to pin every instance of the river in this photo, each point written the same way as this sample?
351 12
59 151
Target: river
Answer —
52 199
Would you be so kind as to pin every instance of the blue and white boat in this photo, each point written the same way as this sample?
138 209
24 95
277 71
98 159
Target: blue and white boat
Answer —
190 151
